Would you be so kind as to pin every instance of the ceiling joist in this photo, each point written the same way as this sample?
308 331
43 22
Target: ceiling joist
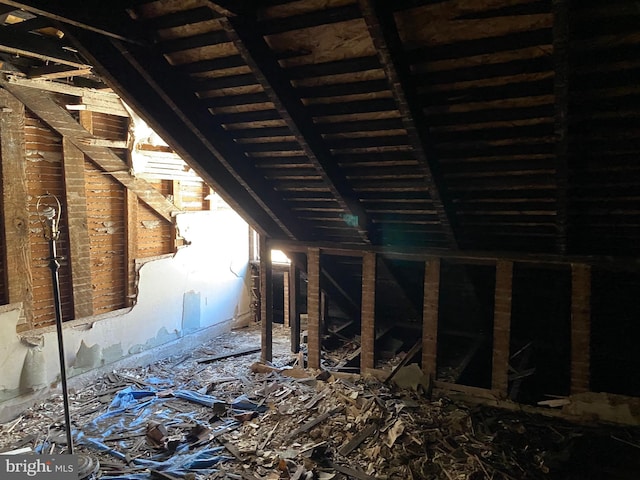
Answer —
249 41
384 34
158 92
39 47
561 92
88 16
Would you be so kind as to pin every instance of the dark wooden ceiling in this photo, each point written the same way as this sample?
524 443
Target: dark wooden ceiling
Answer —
498 125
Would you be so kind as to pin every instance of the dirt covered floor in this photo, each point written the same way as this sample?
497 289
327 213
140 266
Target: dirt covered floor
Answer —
200 416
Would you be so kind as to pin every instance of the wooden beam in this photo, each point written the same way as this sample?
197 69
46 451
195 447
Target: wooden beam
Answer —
294 314
430 315
381 24
15 207
250 42
368 313
561 92
76 13
266 301
580 328
131 218
502 328
93 100
79 243
229 8
314 337
176 191
630 264
159 92
35 46
337 293
54 115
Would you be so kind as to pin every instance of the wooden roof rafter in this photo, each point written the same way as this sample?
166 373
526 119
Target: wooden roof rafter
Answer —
77 14
382 29
230 8
35 46
561 92
157 91
249 40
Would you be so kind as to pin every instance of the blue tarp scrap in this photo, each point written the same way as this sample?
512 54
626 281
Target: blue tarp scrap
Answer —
132 410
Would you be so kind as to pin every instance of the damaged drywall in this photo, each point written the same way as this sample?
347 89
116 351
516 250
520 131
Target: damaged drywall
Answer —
200 289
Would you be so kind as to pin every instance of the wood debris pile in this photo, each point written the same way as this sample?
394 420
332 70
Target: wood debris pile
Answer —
278 421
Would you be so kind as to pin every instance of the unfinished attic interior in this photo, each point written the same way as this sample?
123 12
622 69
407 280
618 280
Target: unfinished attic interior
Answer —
322 239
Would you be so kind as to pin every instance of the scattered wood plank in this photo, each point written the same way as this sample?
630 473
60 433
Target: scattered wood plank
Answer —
309 425
162 475
297 475
357 440
351 472
237 353
407 358
17 451
233 451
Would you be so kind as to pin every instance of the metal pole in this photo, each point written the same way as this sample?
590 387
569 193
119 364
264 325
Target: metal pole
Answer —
54 265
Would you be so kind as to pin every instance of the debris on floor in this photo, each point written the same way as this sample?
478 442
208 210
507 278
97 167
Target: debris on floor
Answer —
219 413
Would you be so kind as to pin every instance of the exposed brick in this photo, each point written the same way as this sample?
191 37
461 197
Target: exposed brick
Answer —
266 300
286 299
313 307
502 327
580 327
367 314
430 316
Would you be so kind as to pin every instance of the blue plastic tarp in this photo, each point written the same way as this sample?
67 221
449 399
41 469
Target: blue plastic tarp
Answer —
132 410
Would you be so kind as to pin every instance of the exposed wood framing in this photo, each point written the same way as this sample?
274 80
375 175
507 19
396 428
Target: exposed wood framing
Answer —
561 92
70 12
430 316
34 46
266 300
79 243
195 136
502 328
314 336
381 25
580 328
44 106
248 39
176 191
131 218
294 314
368 312
15 205
232 7
337 293
100 101
462 256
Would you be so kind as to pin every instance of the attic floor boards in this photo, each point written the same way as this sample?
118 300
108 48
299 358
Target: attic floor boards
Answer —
286 424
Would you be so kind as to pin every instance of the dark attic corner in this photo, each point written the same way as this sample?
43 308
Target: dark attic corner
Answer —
340 239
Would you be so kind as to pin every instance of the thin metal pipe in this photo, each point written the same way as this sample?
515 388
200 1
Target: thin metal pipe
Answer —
54 265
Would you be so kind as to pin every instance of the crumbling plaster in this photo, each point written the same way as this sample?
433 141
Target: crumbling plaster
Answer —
182 299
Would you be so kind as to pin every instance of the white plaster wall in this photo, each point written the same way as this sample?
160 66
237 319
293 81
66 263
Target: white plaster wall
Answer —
210 271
